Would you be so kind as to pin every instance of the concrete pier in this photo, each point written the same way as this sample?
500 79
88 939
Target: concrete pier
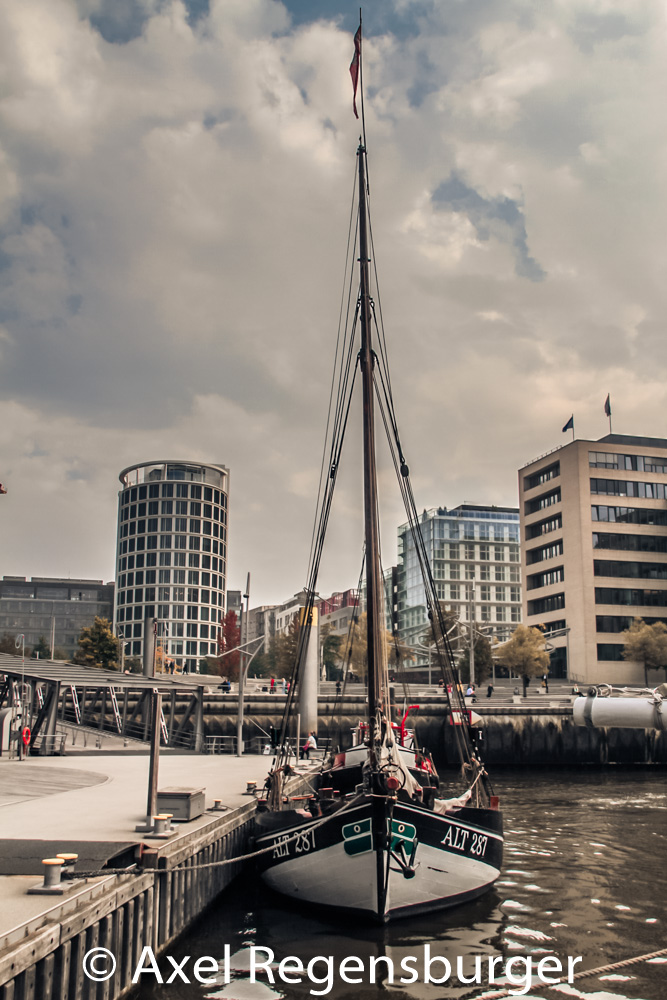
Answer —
90 805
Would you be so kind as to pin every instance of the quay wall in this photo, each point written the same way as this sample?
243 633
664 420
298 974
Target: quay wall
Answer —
42 959
512 735
516 735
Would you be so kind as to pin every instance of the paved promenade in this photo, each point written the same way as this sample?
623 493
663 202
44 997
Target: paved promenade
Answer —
90 805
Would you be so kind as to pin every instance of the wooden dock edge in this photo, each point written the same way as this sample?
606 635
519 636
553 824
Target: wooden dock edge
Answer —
42 958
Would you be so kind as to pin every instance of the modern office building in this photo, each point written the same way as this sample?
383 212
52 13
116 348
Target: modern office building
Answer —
54 608
171 561
594 550
474 554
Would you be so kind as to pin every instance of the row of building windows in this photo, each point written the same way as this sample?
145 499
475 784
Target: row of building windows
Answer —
543 476
444 571
176 649
487 613
196 528
542 502
544 527
545 579
621 623
555 626
638 570
184 490
195 544
610 651
629 515
468 530
128 612
629 543
455 592
545 552
633 463
181 507
193 559
149 594
627 488
542 606
175 615
470 552
194 578
634 598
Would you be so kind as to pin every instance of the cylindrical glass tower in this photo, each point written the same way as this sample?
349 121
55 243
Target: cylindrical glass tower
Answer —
171 562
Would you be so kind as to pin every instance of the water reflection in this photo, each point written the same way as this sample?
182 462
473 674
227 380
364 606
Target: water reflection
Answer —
583 876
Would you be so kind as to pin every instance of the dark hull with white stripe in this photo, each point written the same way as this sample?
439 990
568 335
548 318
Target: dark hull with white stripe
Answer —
435 861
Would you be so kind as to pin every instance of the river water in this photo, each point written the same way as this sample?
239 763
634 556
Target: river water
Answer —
584 874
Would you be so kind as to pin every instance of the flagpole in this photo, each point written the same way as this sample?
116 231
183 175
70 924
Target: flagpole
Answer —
573 430
361 79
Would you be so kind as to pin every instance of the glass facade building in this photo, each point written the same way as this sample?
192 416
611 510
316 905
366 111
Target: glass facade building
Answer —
474 553
171 562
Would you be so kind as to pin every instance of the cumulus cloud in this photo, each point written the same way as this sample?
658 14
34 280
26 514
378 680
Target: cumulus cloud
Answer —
175 181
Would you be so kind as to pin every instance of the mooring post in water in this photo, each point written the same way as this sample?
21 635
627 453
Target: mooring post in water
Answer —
151 806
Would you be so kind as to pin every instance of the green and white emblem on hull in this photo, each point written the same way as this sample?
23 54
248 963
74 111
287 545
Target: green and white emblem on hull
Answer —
402 833
357 837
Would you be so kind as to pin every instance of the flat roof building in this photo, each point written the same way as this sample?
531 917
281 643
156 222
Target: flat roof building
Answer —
474 554
594 550
171 562
54 608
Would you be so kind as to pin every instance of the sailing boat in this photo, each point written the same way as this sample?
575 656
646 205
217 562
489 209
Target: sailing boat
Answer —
376 840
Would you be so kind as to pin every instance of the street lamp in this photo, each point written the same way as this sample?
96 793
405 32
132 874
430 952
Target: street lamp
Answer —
123 642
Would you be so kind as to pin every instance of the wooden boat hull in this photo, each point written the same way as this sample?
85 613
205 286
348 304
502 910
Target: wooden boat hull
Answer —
383 861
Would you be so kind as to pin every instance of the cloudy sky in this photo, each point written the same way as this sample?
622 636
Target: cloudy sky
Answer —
175 183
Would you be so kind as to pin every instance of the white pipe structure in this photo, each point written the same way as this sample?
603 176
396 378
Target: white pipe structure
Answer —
645 711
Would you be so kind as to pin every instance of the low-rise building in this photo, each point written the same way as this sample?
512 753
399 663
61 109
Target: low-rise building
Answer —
54 608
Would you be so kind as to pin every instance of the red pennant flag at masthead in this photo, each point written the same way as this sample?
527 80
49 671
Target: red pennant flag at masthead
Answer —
354 68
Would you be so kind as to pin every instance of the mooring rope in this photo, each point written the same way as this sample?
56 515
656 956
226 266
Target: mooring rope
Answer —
184 867
585 973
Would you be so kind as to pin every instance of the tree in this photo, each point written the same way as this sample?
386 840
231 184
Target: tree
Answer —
646 643
41 649
483 660
397 652
284 648
330 644
98 646
229 640
524 654
8 644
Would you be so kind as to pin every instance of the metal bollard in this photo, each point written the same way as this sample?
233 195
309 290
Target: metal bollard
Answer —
69 859
163 825
52 870
251 788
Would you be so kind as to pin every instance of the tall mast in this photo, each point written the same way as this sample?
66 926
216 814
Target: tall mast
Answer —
371 529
